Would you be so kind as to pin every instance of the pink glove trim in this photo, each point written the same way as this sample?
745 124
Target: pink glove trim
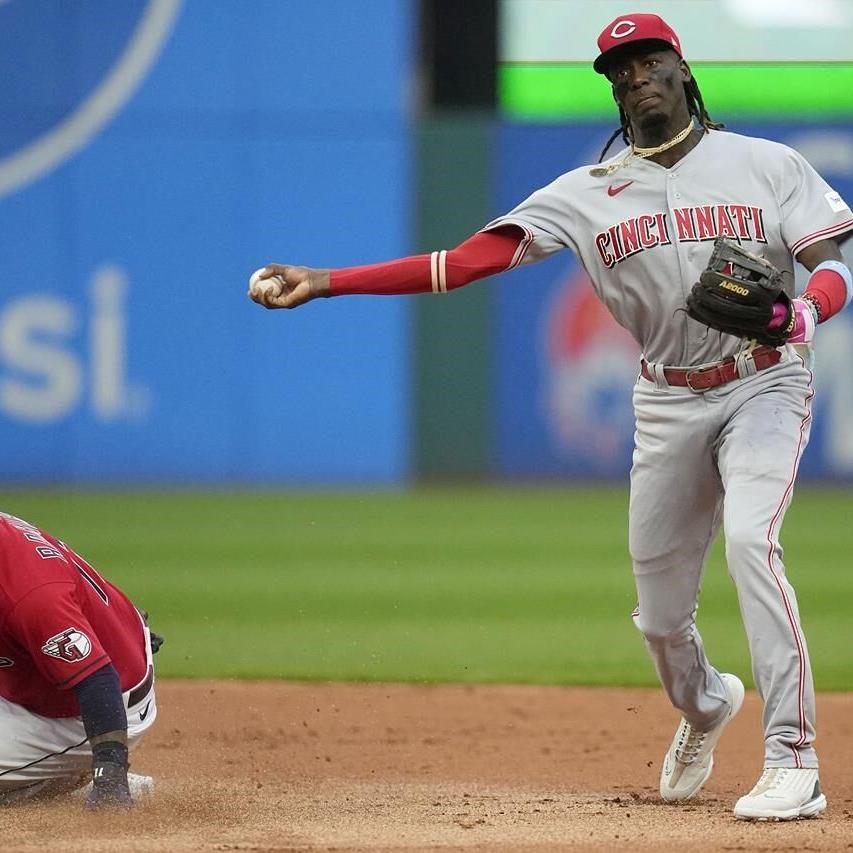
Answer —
804 322
780 315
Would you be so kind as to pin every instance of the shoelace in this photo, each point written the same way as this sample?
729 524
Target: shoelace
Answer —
689 744
780 774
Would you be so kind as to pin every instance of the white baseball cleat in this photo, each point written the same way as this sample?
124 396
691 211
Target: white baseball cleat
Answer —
783 793
689 760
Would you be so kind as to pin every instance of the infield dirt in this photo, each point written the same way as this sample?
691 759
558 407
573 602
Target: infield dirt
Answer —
321 767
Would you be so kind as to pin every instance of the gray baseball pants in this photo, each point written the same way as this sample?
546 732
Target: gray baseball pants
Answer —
727 455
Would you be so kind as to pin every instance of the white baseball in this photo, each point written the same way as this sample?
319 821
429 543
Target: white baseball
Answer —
259 286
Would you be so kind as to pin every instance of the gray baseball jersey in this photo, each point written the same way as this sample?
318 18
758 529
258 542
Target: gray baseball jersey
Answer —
644 233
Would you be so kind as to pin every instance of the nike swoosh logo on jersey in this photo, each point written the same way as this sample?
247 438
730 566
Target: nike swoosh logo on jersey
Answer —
612 191
144 714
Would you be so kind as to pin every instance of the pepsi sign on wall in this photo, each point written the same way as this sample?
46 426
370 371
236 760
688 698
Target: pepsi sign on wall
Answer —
150 163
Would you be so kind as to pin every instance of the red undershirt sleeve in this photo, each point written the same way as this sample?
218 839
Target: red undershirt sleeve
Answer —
483 254
829 290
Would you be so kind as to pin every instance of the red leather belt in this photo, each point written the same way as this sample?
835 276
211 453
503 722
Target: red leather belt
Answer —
703 378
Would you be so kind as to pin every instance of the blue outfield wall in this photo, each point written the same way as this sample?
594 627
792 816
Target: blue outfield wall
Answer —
160 151
563 370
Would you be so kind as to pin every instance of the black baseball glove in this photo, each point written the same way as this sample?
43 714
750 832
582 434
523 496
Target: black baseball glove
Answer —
736 293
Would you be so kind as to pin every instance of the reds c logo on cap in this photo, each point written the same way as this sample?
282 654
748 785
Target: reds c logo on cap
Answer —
622 29
640 26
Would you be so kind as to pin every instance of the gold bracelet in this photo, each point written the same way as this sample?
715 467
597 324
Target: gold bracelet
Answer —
814 305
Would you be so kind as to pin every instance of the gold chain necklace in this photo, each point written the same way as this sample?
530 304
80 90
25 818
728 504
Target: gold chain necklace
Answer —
635 153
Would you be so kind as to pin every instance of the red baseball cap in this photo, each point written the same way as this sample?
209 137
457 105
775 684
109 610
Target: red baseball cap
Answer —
628 28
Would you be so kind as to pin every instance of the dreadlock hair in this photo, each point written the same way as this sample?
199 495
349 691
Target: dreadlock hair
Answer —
695 106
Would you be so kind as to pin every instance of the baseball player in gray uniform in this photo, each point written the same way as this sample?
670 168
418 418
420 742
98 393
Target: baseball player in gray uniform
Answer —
721 420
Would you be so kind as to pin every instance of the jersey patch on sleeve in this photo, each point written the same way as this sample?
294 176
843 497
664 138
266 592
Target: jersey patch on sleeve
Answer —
836 203
46 552
70 645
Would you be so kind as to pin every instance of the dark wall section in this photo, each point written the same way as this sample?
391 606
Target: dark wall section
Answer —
459 39
452 399
452 423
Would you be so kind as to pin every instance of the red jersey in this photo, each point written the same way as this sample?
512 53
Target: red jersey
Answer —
60 621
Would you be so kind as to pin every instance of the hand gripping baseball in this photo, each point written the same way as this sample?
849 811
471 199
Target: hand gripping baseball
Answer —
281 286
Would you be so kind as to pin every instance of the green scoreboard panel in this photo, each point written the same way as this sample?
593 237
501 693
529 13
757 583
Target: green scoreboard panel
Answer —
543 91
756 58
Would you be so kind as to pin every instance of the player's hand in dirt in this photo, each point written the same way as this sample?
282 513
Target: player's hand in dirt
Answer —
282 286
110 788
109 791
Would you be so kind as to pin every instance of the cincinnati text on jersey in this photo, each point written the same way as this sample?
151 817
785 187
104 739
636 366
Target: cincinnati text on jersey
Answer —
740 222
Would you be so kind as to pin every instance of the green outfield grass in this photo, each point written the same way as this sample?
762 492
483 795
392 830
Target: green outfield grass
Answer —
455 584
